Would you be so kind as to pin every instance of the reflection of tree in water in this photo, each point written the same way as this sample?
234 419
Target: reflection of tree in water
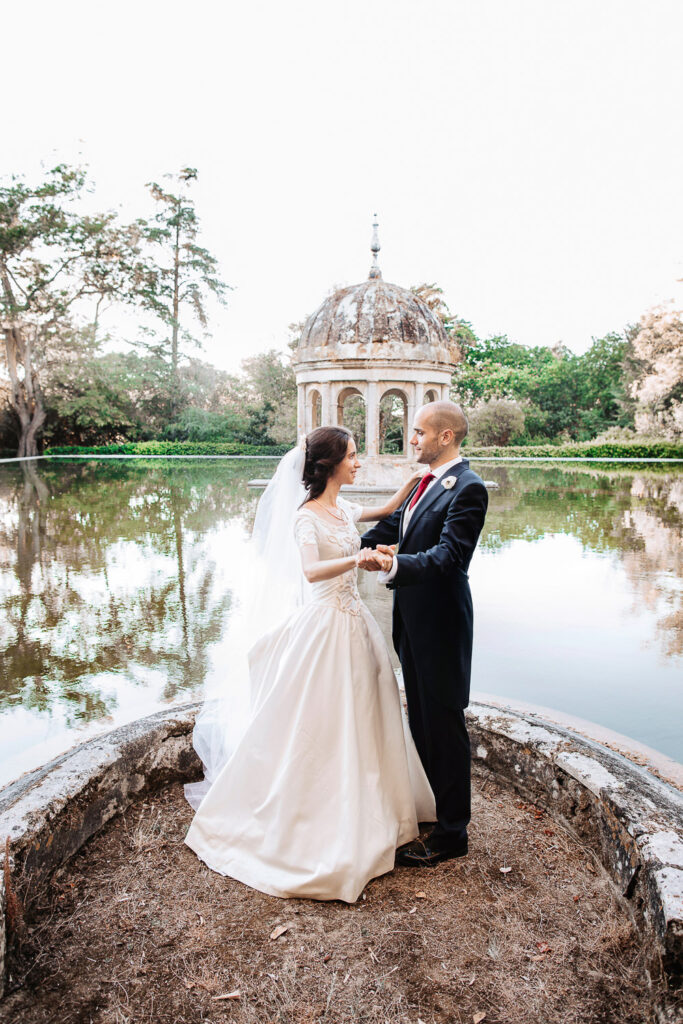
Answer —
63 532
655 567
533 502
639 517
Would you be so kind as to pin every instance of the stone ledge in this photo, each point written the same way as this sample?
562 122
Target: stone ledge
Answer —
632 821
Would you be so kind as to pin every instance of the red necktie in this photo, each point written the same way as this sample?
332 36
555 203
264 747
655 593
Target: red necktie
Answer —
422 487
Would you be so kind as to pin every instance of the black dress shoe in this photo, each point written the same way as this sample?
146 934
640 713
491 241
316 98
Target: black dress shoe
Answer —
428 854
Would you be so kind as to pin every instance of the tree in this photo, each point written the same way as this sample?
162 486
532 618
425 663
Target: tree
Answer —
53 262
657 357
564 395
271 382
7 420
183 275
458 330
106 398
496 422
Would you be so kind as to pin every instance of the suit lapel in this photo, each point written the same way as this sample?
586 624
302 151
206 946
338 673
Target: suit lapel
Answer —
406 505
430 497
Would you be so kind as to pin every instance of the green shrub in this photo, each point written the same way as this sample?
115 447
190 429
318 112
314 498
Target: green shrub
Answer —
583 450
217 447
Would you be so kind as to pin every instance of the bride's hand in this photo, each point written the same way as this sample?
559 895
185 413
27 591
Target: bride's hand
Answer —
374 560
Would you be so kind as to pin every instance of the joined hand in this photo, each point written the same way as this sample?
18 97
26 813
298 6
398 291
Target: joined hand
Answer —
379 559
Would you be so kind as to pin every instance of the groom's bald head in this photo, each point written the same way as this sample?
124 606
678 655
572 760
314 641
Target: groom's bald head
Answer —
438 431
447 416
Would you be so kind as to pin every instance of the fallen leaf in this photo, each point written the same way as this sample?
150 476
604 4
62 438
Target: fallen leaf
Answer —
543 947
328 956
472 980
413 910
478 1017
420 895
504 871
280 930
576 899
227 995
548 832
537 959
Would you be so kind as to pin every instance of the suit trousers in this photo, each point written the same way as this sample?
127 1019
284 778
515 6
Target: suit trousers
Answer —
443 743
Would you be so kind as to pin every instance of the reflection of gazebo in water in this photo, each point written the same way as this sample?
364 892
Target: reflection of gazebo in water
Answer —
374 347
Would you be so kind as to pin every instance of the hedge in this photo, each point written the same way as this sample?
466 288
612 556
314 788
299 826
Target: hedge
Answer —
583 450
172 448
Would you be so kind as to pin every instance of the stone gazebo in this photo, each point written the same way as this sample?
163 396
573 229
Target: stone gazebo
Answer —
372 340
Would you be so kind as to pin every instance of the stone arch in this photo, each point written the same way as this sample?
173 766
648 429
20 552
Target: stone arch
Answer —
393 414
314 409
351 413
431 395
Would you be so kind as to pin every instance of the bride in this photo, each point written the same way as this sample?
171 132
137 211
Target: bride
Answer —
323 781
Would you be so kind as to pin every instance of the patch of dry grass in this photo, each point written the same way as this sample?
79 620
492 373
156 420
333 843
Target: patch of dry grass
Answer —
139 930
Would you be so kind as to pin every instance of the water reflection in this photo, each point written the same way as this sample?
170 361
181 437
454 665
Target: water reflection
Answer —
106 582
638 516
115 591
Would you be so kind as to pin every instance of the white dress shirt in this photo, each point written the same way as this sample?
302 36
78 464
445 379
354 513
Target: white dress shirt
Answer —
387 577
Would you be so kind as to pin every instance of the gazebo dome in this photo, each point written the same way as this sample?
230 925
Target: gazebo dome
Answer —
375 320
372 343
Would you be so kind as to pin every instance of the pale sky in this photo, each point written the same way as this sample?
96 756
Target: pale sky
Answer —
526 155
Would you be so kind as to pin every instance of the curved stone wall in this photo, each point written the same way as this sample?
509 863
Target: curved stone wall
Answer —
632 821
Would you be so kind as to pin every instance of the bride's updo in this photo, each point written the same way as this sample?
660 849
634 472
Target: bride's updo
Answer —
326 447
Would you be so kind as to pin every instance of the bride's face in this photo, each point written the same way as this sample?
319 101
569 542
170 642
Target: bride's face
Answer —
345 472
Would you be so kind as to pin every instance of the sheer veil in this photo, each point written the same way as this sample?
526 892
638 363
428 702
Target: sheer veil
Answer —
271 588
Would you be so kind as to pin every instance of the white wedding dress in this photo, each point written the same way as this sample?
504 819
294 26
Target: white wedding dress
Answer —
326 781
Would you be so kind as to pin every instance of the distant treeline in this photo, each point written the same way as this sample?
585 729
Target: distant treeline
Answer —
68 384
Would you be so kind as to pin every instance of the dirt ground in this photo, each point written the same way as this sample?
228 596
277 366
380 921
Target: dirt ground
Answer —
524 930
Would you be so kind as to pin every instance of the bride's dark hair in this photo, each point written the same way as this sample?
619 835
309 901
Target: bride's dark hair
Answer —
325 449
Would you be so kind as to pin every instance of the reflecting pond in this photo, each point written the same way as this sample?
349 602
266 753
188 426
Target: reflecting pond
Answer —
117 582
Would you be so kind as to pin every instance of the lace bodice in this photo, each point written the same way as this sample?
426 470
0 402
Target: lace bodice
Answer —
333 540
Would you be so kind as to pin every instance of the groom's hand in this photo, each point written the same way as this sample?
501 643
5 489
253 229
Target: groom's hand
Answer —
387 549
374 560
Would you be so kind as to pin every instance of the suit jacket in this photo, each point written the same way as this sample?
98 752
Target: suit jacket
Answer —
432 599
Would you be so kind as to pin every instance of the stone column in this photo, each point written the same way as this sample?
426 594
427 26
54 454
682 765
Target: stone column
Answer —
328 415
371 420
419 394
301 424
410 410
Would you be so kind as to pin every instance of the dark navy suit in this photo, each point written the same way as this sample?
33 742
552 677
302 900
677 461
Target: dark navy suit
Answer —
432 631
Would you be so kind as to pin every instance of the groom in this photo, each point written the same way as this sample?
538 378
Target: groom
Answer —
436 530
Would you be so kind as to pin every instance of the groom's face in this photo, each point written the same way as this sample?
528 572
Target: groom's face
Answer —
425 438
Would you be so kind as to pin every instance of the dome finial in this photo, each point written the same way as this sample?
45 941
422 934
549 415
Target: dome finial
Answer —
374 248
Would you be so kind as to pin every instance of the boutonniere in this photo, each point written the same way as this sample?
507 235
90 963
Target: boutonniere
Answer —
449 482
